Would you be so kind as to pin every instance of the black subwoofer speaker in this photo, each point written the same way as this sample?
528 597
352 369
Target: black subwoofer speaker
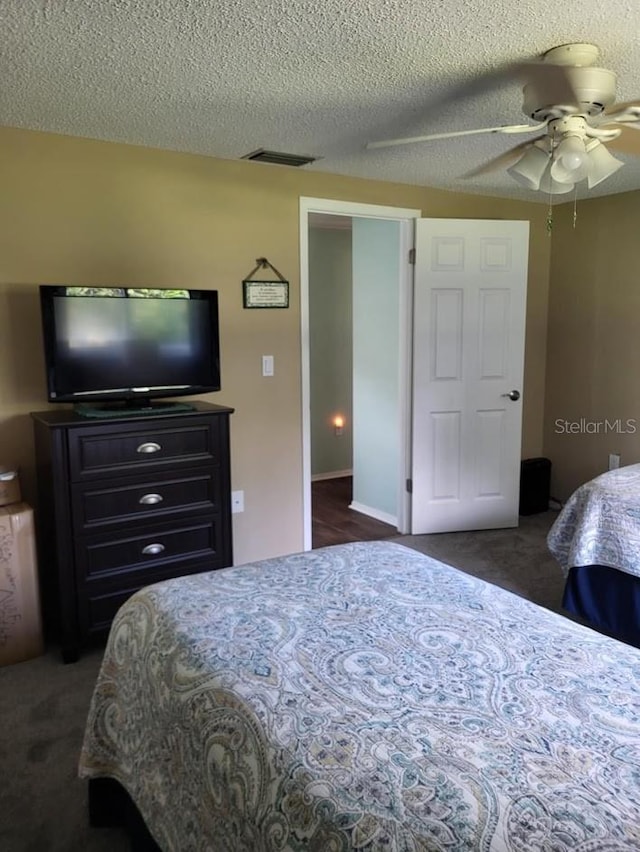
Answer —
535 482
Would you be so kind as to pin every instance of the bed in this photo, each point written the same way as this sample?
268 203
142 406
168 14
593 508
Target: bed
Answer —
365 696
596 540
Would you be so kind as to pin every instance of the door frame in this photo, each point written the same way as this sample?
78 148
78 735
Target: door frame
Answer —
406 217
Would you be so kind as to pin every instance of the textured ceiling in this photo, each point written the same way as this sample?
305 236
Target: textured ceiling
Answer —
318 77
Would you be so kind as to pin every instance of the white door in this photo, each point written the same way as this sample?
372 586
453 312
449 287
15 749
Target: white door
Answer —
468 360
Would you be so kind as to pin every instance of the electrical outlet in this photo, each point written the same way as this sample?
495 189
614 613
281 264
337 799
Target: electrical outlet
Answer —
614 461
237 502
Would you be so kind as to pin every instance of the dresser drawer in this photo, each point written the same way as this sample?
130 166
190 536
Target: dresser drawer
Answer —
145 550
102 451
100 608
118 501
104 599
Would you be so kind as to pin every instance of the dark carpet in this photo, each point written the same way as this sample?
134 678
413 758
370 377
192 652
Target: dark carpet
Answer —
43 804
516 559
43 703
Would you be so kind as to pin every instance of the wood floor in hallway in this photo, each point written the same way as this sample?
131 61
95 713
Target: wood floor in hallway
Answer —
334 522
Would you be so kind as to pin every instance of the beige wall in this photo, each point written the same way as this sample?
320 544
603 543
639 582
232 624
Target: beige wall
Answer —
594 340
81 211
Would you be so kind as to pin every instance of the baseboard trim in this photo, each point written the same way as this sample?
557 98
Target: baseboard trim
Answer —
385 517
334 474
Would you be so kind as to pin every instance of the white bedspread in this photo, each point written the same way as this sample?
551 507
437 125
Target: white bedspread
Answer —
366 697
600 523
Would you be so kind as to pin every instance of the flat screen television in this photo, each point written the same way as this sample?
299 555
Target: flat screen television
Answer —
127 346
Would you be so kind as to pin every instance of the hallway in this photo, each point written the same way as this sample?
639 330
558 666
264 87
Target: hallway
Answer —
334 522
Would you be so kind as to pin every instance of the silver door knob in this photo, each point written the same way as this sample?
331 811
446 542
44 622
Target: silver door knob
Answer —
513 395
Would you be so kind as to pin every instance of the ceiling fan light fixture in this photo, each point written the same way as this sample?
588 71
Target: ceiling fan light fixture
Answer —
530 168
570 161
602 164
550 186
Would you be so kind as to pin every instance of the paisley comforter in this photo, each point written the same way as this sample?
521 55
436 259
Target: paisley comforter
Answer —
365 697
600 523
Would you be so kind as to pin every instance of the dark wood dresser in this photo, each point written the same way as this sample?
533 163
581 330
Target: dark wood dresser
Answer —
124 502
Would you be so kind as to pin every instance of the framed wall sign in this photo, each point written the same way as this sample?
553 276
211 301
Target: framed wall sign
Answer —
265 294
257 293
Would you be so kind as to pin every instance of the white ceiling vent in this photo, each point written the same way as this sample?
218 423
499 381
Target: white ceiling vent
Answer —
278 157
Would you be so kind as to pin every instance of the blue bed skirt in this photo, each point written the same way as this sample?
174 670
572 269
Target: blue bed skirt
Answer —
607 598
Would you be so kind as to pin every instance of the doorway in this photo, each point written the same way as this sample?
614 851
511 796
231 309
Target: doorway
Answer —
403 219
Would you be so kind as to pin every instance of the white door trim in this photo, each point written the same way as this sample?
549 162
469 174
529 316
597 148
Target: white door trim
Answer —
407 218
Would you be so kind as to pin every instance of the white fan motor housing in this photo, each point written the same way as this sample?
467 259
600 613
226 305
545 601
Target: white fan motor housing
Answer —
595 88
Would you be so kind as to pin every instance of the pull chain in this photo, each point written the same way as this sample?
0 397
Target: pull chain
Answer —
549 219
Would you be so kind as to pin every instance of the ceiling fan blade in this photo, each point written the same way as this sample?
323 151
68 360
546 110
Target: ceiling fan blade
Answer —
628 142
502 161
543 76
551 82
615 110
510 128
620 115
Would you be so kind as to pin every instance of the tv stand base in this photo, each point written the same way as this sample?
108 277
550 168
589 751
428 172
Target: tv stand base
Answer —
119 410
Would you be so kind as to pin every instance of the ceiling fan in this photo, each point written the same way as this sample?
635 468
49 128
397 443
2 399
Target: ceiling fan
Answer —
577 119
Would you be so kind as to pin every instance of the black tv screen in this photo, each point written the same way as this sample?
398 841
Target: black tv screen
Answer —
129 344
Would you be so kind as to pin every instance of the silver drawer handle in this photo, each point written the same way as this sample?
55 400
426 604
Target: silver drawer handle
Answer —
149 447
151 499
153 549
